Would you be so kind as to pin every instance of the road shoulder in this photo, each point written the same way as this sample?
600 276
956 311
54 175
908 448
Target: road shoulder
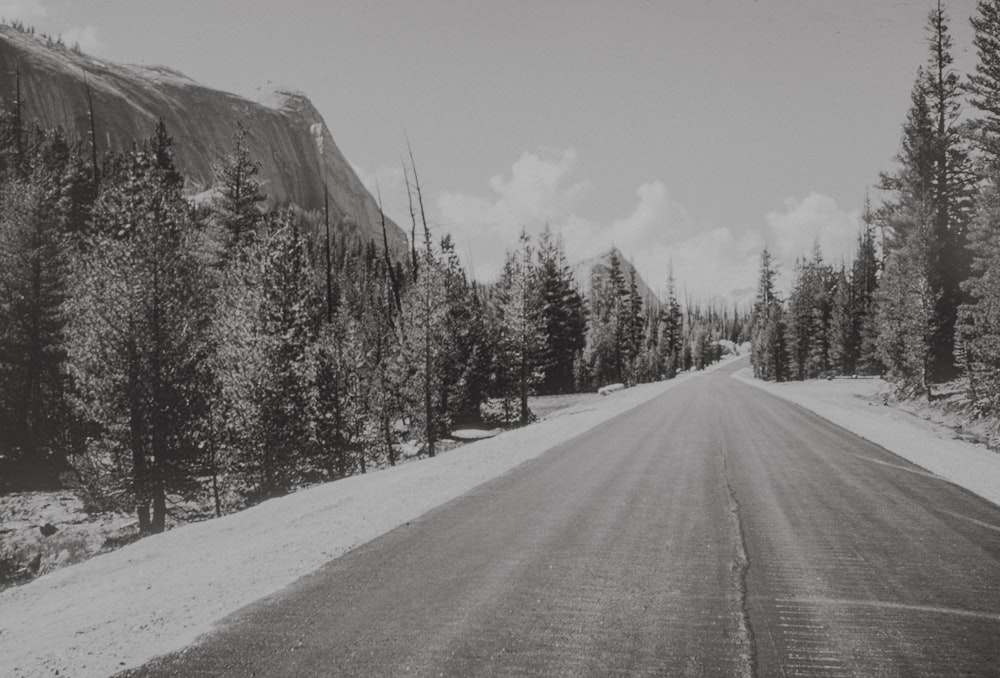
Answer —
852 404
120 609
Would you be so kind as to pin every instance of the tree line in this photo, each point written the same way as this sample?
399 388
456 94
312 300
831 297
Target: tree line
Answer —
154 348
921 301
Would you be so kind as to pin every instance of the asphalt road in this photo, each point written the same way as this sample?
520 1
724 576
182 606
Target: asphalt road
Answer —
714 531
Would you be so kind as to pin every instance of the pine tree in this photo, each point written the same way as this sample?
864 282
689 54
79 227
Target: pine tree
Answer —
864 283
563 316
953 187
458 341
237 210
634 323
906 311
768 330
979 318
671 327
136 330
843 334
33 268
808 319
932 182
983 86
521 335
422 334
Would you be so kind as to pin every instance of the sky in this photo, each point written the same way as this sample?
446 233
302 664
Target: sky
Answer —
688 133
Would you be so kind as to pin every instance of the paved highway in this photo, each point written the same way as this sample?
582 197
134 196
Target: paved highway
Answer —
714 531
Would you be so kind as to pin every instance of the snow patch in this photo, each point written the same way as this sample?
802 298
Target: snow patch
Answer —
275 96
156 596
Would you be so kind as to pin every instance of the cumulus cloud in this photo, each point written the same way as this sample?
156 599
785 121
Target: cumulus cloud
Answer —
536 191
791 233
657 233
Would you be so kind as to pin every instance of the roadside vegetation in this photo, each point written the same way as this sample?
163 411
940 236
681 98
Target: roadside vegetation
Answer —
169 359
920 304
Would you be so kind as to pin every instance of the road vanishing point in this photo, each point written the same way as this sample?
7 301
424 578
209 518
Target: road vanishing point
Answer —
714 531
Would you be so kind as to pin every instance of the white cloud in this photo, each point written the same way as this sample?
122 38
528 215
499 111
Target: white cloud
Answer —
791 234
542 190
707 261
535 192
85 37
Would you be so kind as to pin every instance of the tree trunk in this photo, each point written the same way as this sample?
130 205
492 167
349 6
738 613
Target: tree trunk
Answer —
387 431
137 442
428 396
523 386
159 521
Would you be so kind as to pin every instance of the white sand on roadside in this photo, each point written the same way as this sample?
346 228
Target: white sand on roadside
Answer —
854 405
159 594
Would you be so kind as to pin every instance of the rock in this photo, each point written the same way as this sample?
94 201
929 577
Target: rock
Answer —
47 530
282 126
35 563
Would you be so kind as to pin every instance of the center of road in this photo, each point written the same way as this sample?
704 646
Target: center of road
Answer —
713 531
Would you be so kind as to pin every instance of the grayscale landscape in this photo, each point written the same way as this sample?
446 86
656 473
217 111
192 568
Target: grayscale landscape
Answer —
500 339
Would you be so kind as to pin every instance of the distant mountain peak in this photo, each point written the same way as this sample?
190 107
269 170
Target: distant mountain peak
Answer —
584 271
278 97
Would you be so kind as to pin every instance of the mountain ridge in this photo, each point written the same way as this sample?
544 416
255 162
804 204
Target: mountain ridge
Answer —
584 270
282 126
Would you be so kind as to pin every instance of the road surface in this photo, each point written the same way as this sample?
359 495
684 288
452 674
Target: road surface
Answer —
714 531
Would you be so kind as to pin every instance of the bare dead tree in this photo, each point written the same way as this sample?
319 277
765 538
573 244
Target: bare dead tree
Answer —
413 223
420 198
385 251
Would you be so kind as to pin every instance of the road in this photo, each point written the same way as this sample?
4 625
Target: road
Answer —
714 531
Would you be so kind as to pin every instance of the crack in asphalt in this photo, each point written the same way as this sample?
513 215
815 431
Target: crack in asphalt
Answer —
740 569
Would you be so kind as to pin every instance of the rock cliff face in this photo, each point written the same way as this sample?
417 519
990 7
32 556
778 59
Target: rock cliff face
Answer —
282 126
601 266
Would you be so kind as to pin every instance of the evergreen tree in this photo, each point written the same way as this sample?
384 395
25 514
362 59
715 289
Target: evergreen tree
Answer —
671 328
981 316
520 337
458 339
983 86
864 283
906 311
237 211
33 287
634 324
808 319
932 182
422 336
952 190
843 331
768 354
563 316
137 323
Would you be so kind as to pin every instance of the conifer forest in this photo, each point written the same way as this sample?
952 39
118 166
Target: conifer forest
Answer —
154 349
524 338
919 301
